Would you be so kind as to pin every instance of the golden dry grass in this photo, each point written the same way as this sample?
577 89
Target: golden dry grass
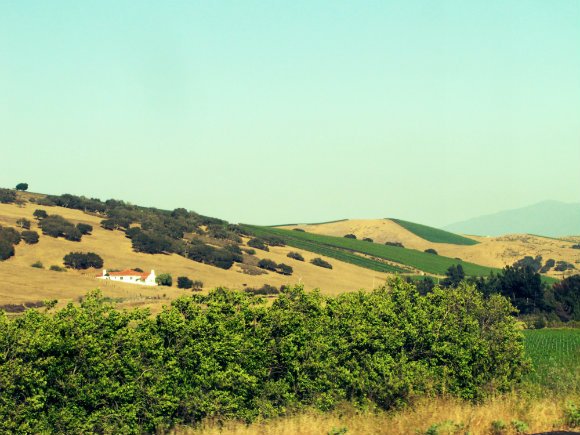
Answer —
19 282
491 251
539 415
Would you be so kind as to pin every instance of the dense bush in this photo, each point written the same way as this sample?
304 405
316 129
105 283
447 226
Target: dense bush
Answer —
258 244
184 282
56 268
207 254
295 256
93 369
398 244
151 243
265 290
321 263
528 261
367 239
197 285
548 265
164 279
350 236
431 251
10 235
561 266
81 260
7 196
30 237
576 246
37 265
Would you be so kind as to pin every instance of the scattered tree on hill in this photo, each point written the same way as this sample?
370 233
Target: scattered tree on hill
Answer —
548 265
40 214
81 260
562 266
23 223
164 279
258 244
6 249
10 235
265 290
267 264
321 263
398 244
84 228
7 196
206 254
534 263
295 256
284 269
431 251
37 265
184 282
197 286
576 246
22 186
349 236
57 226
30 237
151 243
367 239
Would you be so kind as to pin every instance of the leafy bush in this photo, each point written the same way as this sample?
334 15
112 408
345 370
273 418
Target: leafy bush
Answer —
258 244
431 251
295 256
572 415
562 266
164 279
7 196
81 260
321 263
228 355
10 235
56 268
37 265
350 236
30 237
267 264
57 226
367 239
398 244
250 251
184 282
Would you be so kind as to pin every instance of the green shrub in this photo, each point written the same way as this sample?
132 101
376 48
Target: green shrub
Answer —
398 244
498 427
22 186
572 415
431 251
84 228
57 226
10 235
349 236
284 269
6 250
40 214
321 263
519 427
23 223
367 239
37 265
267 264
57 268
164 279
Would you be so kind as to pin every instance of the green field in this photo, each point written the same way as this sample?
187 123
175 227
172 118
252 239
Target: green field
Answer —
555 355
434 235
334 246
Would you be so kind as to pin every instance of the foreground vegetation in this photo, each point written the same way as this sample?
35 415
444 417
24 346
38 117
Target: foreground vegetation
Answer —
228 355
334 246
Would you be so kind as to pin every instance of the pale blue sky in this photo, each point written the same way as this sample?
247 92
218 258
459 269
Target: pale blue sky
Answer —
272 112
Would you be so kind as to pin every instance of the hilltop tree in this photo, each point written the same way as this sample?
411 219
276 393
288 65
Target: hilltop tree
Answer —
22 186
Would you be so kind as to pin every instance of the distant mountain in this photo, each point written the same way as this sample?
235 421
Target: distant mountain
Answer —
547 218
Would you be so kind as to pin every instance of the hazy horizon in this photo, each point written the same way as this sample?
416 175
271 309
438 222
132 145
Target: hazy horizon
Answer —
304 112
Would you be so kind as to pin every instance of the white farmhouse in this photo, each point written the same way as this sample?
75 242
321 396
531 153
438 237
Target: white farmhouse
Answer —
130 276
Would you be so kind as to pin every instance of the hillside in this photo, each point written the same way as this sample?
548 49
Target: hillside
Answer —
19 282
495 252
547 218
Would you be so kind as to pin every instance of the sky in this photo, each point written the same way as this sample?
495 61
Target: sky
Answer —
272 112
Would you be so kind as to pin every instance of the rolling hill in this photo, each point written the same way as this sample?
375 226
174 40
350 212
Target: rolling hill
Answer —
547 218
